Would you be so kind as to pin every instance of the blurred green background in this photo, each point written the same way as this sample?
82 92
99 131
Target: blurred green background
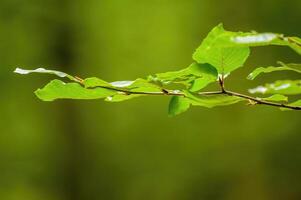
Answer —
93 150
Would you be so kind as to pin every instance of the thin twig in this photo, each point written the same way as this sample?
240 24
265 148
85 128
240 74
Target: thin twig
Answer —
263 102
223 92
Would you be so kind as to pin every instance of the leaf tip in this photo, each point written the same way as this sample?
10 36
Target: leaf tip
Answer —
20 71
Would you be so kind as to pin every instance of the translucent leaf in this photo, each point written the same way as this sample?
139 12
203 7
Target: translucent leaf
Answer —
196 76
95 82
214 51
260 70
211 101
57 89
200 83
140 85
264 39
46 71
178 105
276 97
285 87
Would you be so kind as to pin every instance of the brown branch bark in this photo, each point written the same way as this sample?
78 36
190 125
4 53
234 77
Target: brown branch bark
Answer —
223 91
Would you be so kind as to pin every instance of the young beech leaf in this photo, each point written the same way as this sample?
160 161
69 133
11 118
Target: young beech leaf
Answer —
139 85
284 87
213 51
57 89
95 82
211 101
287 67
276 97
45 71
178 105
195 77
264 39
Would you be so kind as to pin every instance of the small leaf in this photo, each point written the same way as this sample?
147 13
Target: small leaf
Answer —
95 82
45 71
57 89
200 83
139 85
211 101
276 97
142 85
213 50
285 87
195 77
260 70
178 105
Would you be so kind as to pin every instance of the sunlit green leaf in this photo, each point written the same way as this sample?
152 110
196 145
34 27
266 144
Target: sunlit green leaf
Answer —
260 70
276 97
95 82
140 85
285 87
57 89
178 105
196 76
213 51
211 101
264 39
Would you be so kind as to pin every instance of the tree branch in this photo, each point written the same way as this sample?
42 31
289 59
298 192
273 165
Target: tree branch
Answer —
263 102
223 91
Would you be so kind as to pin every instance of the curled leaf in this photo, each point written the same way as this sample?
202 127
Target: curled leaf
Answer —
283 67
46 71
284 87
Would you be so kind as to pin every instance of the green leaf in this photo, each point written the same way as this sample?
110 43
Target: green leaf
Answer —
211 101
196 76
260 70
264 39
213 50
285 87
142 85
294 43
200 83
276 97
57 89
178 105
45 71
139 85
206 73
95 82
